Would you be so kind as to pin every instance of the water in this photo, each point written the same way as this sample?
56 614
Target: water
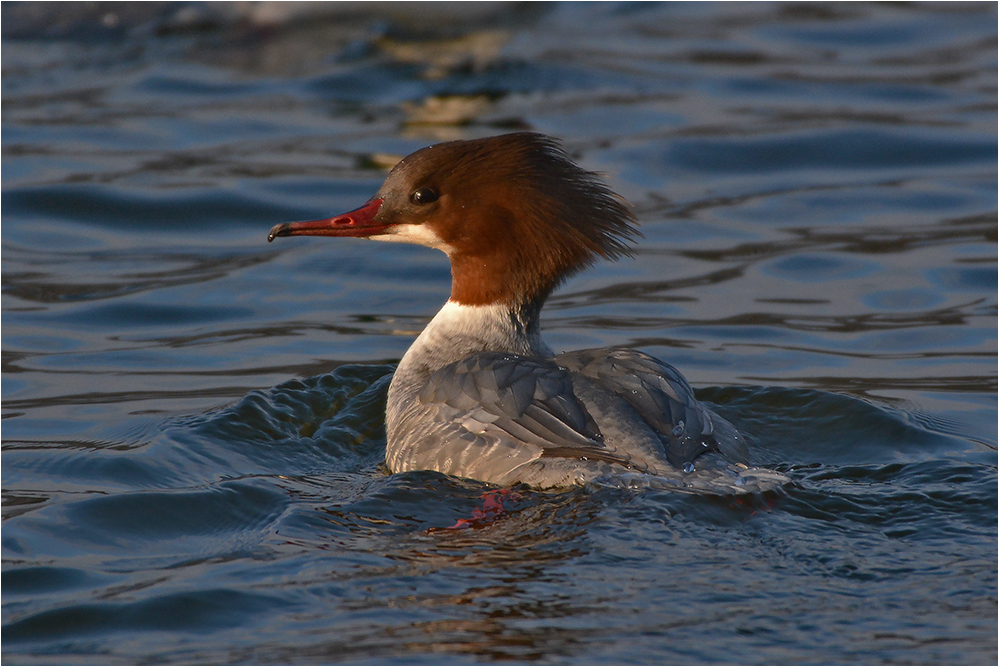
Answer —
192 418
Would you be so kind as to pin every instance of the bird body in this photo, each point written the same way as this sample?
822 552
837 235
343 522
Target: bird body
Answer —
479 394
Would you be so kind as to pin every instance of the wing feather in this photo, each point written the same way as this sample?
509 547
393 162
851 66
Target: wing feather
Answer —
505 396
663 399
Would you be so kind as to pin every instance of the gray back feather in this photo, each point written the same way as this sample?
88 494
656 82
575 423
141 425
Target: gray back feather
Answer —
663 399
527 399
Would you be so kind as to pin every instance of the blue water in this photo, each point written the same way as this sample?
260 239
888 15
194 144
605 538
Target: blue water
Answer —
193 426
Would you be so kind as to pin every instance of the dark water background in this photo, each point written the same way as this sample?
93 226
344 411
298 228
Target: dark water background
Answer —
192 418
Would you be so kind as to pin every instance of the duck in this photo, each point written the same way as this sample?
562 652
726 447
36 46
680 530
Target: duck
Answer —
479 395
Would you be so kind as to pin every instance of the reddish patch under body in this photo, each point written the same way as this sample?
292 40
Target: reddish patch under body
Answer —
491 511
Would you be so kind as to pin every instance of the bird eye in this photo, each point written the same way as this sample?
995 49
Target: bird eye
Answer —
424 196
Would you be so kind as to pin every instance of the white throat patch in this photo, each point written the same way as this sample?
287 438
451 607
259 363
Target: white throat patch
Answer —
422 235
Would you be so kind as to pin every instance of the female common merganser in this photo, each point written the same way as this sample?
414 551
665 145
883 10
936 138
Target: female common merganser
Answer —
479 395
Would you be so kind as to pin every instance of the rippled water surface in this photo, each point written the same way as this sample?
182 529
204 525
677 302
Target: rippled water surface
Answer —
193 419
